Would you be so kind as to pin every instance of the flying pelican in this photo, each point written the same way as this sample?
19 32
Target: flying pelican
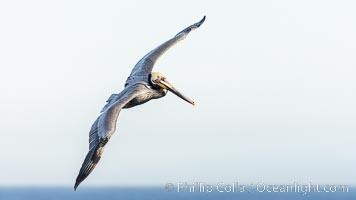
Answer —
141 86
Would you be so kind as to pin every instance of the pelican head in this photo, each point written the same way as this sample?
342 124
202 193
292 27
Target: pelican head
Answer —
160 81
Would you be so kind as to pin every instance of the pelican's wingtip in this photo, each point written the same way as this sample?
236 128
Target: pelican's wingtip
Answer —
75 187
201 21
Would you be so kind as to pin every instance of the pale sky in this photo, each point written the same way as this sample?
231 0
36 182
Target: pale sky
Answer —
274 82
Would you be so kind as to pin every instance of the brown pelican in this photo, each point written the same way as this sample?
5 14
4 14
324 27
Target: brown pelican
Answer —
141 86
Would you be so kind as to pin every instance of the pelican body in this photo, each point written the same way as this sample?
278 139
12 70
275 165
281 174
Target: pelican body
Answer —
141 86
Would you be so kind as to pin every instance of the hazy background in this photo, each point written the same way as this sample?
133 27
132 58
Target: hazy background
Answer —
274 82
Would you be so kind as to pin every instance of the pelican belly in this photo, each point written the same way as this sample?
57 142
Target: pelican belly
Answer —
146 96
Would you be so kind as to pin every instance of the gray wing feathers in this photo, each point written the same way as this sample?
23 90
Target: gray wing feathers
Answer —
93 135
145 65
103 128
107 119
110 101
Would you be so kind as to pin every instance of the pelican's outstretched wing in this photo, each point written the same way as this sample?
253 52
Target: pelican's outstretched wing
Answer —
103 128
145 65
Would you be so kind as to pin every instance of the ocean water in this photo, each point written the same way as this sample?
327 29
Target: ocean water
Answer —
154 193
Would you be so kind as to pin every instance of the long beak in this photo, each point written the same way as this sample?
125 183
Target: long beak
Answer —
170 87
